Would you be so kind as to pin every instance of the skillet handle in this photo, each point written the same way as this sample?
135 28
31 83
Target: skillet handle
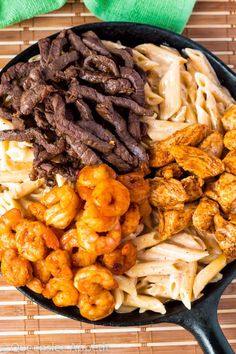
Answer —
202 320
203 323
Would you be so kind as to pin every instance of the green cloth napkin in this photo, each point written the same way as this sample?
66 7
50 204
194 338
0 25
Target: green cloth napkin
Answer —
169 14
12 11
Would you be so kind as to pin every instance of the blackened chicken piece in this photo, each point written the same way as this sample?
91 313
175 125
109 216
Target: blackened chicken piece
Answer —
93 42
137 82
118 86
102 63
78 45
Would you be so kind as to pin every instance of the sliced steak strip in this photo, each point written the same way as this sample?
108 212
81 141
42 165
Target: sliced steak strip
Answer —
68 128
102 63
118 86
137 82
107 112
84 110
85 154
125 54
119 149
93 42
44 47
78 45
33 135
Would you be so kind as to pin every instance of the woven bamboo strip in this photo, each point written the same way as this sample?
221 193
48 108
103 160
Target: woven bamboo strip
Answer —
27 328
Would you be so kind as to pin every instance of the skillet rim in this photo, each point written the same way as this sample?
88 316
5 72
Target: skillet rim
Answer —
212 291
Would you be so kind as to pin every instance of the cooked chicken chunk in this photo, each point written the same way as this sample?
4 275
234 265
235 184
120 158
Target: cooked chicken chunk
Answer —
167 193
173 170
230 140
173 221
232 218
230 162
192 186
198 162
204 214
229 118
213 144
160 151
224 192
225 235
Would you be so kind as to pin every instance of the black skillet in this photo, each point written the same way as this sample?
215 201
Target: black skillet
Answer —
202 320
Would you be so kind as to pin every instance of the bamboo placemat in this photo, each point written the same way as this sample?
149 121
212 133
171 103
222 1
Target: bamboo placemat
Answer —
27 328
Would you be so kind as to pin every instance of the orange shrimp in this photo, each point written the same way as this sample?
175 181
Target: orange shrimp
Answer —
94 278
62 206
79 256
90 176
112 197
40 271
96 307
93 217
37 210
35 285
122 259
130 220
12 218
62 292
58 264
33 238
138 187
8 223
16 270
96 243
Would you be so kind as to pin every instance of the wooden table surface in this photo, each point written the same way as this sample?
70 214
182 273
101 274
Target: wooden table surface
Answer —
27 328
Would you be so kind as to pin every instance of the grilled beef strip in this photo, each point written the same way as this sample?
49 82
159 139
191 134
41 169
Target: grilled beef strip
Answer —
92 41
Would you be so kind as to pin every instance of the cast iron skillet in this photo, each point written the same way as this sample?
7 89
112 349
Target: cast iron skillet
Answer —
202 320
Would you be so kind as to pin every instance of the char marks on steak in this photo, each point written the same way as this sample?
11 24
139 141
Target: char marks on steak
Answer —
79 104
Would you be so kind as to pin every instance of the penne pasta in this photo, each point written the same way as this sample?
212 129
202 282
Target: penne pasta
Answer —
146 240
163 286
186 286
207 274
153 268
179 252
145 302
200 63
170 90
119 298
159 130
126 284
